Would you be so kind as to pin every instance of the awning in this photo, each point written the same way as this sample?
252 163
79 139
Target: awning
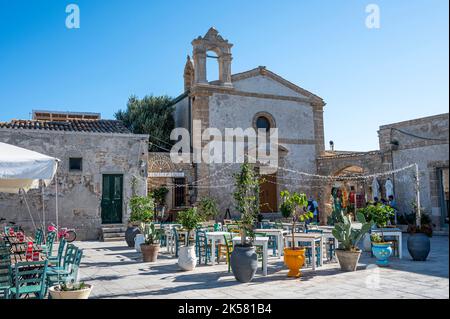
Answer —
23 169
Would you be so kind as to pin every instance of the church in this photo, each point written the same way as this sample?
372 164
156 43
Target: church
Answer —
259 99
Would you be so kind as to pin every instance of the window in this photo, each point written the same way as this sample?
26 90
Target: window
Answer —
75 164
263 123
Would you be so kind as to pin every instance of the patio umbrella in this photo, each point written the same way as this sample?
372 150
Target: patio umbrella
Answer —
23 169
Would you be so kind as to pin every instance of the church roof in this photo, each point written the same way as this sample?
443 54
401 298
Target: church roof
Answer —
262 70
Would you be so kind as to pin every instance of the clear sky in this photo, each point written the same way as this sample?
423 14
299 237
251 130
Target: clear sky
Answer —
368 77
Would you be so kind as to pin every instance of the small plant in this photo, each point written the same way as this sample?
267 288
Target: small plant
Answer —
71 286
246 196
376 238
190 219
141 209
294 205
348 236
207 207
151 235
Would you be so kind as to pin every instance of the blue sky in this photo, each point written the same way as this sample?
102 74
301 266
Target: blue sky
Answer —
368 77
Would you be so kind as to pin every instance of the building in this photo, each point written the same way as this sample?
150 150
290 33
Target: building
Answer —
257 98
102 165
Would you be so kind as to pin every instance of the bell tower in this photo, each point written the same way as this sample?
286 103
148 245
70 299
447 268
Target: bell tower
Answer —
212 41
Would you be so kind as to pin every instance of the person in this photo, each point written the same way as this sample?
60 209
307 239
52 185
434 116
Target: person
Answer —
313 206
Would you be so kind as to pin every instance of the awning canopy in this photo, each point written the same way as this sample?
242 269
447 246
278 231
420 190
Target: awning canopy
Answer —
22 169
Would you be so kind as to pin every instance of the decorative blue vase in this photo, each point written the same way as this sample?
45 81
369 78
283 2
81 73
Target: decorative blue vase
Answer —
382 252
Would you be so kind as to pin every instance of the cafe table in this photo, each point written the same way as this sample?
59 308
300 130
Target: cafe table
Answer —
258 241
215 236
279 235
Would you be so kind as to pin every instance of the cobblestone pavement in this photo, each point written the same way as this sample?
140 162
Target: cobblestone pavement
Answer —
117 271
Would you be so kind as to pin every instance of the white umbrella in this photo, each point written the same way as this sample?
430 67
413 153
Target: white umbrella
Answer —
23 169
375 189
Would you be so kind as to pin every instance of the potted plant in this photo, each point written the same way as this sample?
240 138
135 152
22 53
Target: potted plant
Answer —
150 246
243 259
380 214
348 253
159 195
419 236
141 211
189 219
70 290
293 206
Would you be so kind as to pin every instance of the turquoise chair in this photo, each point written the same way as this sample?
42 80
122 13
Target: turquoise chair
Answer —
47 248
5 271
65 275
38 236
69 257
15 228
29 279
203 249
56 260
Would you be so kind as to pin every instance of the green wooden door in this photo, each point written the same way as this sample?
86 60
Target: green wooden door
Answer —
112 199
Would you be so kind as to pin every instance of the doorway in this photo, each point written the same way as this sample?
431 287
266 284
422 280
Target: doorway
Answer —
268 196
112 199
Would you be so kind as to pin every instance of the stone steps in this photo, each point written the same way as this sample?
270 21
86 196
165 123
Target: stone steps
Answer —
113 232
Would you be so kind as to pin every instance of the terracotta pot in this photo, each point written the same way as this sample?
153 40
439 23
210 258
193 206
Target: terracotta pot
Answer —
150 252
348 260
294 260
76 294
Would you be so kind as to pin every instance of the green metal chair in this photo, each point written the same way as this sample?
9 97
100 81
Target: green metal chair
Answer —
29 279
65 275
5 271
47 248
69 257
38 236
56 260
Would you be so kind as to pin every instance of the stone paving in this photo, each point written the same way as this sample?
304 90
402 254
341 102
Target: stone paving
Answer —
117 271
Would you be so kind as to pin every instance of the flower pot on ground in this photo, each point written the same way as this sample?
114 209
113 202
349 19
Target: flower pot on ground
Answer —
294 206
244 263
150 245
141 212
418 243
187 260
381 249
70 291
189 219
348 253
243 259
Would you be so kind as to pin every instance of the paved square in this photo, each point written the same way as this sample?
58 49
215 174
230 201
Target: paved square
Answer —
117 271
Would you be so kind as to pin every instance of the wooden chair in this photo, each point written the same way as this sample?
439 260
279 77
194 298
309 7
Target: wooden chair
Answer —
29 279
225 249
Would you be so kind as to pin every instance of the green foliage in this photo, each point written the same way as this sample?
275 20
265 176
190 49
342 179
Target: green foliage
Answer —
151 115
380 214
246 197
151 235
294 205
71 286
348 236
376 238
159 194
190 219
207 207
141 209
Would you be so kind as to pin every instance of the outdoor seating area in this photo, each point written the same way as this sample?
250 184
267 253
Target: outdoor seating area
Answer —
31 265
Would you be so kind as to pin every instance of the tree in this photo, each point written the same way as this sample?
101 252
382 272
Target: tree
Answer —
151 115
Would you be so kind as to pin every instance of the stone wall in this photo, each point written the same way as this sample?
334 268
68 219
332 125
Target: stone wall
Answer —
79 193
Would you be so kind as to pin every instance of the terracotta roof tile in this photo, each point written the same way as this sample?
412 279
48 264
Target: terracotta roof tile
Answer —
93 126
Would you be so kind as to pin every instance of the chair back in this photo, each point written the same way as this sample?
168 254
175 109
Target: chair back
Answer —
61 246
49 242
69 257
5 267
76 265
38 236
31 273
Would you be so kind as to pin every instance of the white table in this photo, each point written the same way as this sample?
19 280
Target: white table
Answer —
311 238
214 236
395 232
259 241
279 233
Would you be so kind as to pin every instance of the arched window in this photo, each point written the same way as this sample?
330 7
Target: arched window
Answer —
263 122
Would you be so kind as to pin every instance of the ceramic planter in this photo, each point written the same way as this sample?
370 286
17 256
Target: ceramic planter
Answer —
138 240
76 294
419 246
149 253
130 233
348 260
244 263
187 260
382 251
294 260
